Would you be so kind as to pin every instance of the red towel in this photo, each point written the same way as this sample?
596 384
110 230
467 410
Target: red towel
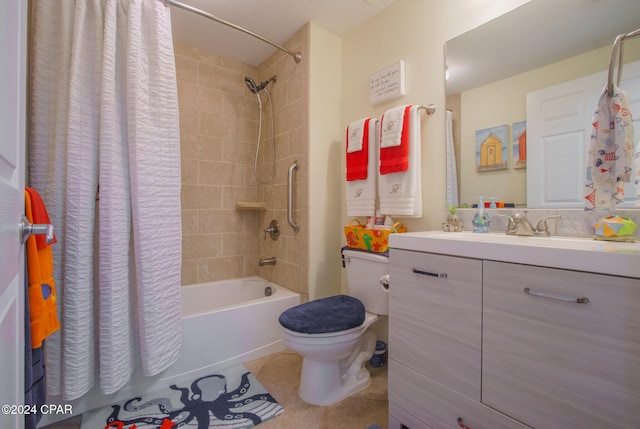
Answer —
358 161
395 159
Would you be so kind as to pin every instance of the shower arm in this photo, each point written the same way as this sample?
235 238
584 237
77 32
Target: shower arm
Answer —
297 56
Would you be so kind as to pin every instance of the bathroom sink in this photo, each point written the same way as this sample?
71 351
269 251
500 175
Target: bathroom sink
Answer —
574 253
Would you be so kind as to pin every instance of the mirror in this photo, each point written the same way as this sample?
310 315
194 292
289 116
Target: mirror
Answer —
490 69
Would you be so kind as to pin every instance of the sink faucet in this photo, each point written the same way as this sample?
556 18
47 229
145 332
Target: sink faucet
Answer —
267 261
520 225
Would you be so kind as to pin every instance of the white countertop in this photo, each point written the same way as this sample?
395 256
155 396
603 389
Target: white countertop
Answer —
572 253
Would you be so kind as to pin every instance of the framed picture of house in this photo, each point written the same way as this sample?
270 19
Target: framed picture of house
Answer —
519 144
491 149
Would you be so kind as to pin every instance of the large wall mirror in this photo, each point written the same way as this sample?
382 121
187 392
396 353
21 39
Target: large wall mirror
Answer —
491 69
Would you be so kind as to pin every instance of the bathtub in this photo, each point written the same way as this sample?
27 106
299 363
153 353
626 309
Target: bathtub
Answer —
224 323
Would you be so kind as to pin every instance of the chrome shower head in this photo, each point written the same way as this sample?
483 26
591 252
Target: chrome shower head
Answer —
255 88
251 84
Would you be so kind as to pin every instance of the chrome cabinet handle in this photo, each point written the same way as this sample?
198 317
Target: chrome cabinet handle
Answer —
583 300
28 229
293 224
427 273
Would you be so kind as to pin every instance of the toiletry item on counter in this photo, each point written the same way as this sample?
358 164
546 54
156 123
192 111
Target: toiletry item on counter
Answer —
453 221
615 228
493 203
481 221
379 219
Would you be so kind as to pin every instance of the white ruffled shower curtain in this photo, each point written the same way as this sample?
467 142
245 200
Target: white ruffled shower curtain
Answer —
104 152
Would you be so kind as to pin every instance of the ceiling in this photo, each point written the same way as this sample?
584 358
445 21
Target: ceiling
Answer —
537 33
276 20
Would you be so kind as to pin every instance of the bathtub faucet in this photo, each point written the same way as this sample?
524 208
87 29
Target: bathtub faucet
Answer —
267 261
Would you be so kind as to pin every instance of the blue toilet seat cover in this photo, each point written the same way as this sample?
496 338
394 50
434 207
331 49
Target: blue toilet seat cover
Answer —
325 315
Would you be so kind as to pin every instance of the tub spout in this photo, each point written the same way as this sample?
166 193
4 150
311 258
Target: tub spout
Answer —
267 261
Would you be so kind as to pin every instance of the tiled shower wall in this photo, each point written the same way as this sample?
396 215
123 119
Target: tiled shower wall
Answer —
290 96
219 127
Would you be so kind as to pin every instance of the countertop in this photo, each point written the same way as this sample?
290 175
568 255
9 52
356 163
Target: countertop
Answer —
571 253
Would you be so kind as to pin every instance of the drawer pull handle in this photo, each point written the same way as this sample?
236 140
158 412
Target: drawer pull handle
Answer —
427 273
461 424
583 300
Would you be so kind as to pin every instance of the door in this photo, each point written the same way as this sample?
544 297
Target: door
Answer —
13 49
558 132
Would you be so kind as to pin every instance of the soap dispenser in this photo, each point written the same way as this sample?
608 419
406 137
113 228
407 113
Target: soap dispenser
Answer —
481 219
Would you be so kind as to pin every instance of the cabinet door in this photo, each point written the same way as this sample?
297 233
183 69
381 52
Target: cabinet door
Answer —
556 364
419 402
435 322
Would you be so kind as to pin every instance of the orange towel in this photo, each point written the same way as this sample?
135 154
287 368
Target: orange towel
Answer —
42 290
394 159
358 161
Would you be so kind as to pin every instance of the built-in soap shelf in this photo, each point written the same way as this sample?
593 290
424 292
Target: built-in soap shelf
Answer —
251 205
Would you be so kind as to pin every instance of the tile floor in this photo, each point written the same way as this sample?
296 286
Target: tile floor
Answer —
279 373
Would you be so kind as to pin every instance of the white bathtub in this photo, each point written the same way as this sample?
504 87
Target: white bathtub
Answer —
224 323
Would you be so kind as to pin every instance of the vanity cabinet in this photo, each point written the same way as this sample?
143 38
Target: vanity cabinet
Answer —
510 345
445 293
567 353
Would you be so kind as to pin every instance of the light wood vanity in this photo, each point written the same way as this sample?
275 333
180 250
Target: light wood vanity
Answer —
489 331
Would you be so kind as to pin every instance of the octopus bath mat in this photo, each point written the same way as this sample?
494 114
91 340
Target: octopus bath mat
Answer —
229 399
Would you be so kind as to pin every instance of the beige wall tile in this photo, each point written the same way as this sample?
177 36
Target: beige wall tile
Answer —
219 120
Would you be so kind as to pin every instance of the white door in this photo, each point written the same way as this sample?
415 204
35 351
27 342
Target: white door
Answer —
558 132
13 30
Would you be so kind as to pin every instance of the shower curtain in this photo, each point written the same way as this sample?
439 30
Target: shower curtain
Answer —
104 154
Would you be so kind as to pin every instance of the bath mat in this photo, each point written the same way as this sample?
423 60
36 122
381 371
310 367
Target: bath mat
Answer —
229 399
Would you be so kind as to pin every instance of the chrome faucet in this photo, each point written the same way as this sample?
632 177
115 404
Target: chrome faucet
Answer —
520 225
267 261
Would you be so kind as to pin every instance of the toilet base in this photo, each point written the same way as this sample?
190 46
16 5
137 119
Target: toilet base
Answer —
325 383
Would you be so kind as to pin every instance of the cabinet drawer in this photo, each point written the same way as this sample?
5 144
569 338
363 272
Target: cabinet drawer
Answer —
438 406
435 322
555 364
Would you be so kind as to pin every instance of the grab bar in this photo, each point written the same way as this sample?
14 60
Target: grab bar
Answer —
293 224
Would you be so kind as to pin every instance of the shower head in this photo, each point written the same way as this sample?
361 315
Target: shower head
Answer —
255 88
251 84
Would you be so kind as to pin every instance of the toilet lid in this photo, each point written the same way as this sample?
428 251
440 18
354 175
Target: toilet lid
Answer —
325 315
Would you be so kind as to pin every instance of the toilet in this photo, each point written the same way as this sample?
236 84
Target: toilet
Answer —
332 334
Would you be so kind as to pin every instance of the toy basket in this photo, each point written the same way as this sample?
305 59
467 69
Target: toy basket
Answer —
375 240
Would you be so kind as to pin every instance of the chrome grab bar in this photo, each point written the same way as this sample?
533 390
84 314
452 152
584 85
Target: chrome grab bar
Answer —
293 224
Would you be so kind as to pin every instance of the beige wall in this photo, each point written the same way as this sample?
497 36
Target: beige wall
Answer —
313 101
290 97
218 126
414 31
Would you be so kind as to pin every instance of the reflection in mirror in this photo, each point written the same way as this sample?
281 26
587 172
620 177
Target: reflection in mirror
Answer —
493 67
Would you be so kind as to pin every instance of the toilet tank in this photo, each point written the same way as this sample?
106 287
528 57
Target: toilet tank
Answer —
365 271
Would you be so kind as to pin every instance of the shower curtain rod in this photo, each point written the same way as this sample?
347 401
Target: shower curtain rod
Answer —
617 45
297 56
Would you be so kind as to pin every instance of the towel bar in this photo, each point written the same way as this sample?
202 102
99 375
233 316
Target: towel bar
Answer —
430 108
617 47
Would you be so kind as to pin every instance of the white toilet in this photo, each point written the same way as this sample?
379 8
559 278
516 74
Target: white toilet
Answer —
332 333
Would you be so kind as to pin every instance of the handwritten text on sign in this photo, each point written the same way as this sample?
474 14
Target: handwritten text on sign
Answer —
387 84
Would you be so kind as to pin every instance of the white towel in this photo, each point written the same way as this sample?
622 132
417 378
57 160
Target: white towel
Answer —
611 152
361 194
452 175
392 127
354 138
401 193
